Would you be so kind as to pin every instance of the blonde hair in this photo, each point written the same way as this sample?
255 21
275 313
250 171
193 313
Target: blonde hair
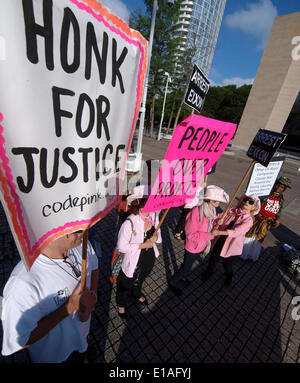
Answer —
254 206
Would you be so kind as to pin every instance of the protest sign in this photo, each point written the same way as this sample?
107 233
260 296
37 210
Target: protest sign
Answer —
197 90
264 146
197 143
71 86
261 150
263 178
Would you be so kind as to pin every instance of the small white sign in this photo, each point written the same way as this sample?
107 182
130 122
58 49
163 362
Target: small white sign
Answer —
263 178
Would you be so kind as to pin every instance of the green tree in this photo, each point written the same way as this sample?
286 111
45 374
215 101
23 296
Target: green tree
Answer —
164 45
226 103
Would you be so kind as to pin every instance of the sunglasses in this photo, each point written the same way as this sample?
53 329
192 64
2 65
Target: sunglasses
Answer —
249 200
73 266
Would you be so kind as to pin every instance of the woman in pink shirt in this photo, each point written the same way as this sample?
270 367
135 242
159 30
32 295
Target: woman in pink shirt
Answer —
229 238
138 244
198 225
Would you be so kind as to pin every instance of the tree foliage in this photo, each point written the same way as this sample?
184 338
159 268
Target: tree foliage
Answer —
226 103
164 45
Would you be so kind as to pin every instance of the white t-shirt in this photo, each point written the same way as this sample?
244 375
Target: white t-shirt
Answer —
31 295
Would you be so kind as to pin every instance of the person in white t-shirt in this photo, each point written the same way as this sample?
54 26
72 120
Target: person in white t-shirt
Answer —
45 309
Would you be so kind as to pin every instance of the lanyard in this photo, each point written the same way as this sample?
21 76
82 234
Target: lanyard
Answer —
72 266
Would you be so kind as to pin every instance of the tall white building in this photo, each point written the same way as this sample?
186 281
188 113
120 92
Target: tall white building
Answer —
198 26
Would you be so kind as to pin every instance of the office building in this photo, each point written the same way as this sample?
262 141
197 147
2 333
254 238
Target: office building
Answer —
273 102
198 26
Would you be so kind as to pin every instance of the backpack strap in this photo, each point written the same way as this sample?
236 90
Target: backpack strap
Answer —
132 227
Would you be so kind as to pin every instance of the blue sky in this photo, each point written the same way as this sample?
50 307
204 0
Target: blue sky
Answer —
242 38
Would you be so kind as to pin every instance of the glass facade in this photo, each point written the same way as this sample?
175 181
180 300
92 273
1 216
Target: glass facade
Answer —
199 25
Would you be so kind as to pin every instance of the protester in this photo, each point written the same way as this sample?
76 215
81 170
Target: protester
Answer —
138 244
268 216
45 309
185 209
198 225
229 238
150 170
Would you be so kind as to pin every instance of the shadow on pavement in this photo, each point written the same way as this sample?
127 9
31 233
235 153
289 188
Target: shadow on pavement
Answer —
205 324
107 234
169 247
285 235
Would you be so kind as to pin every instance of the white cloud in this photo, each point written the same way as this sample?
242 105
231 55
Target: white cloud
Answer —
118 8
256 20
238 81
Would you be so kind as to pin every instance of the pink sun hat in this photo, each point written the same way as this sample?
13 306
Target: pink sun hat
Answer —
216 193
138 193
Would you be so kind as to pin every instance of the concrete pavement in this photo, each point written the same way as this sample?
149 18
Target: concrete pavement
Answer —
204 324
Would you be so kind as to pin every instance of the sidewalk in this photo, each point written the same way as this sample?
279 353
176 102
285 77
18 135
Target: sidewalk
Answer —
204 324
254 324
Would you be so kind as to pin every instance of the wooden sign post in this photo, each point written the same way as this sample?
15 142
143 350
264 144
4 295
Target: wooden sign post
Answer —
84 258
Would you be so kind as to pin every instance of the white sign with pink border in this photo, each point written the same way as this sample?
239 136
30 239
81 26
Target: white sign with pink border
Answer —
71 87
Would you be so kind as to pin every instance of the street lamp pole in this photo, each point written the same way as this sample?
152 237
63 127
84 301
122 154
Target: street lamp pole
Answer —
163 109
143 107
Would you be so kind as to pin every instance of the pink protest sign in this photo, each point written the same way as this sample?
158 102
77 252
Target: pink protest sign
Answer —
196 145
